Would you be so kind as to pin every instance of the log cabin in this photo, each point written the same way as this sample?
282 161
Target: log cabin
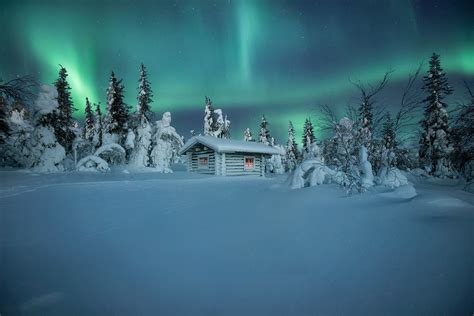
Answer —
226 157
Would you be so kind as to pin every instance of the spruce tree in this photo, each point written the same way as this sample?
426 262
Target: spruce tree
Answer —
99 130
264 136
63 123
248 135
145 94
209 117
291 149
89 122
308 136
117 111
434 142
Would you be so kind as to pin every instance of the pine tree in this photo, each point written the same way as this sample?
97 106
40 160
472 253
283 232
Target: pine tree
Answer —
145 94
99 130
89 122
291 149
308 136
117 111
434 143
225 128
209 117
63 123
264 136
248 135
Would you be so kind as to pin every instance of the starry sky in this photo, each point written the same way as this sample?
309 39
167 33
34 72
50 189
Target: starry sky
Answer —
252 57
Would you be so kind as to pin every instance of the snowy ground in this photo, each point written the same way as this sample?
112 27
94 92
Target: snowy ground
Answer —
180 244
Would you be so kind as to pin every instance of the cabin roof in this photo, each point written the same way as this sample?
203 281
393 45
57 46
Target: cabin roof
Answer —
222 145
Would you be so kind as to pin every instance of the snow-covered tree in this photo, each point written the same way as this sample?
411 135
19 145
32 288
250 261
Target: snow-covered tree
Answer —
4 128
88 131
145 94
116 117
166 145
248 135
308 137
142 134
345 154
264 136
463 131
209 117
291 149
276 163
435 147
47 153
63 123
215 122
143 139
98 127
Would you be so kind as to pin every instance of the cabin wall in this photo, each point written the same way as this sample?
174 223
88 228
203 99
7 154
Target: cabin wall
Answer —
224 164
192 158
234 164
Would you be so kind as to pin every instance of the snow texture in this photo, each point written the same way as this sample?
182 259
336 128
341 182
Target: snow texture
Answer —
112 153
92 163
221 145
157 244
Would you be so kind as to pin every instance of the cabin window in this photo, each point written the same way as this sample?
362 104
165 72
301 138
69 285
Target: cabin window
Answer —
249 163
203 162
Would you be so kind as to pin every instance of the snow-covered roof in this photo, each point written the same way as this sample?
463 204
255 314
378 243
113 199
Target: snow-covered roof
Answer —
222 145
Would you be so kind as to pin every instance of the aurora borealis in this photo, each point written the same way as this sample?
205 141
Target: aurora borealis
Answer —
278 58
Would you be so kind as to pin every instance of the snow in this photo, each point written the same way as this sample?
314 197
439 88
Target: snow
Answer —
46 102
187 244
113 153
229 145
92 163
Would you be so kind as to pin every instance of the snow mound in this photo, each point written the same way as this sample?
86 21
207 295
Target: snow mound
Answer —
392 178
112 153
92 163
405 192
311 172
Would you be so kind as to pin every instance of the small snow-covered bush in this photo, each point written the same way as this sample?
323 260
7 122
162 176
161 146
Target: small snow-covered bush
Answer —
392 178
112 153
311 172
92 163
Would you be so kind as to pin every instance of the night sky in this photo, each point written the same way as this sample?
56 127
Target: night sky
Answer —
279 58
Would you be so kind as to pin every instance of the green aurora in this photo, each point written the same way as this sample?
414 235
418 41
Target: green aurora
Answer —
280 58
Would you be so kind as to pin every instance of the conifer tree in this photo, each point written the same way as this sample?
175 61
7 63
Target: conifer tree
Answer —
145 94
264 136
117 111
99 130
248 135
89 122
63 123
291 149
308 136
209 117
435 146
